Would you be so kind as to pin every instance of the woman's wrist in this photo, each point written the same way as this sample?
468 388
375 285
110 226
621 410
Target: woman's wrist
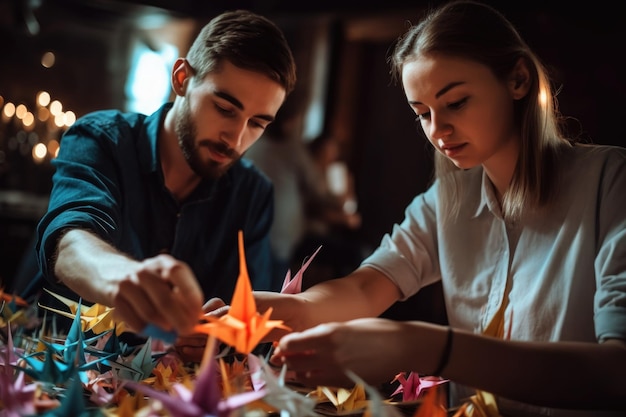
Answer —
445 353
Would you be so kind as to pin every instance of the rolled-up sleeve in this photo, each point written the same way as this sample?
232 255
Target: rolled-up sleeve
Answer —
409 255
610 263
85 189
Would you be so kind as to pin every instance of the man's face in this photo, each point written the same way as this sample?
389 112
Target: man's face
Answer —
222 115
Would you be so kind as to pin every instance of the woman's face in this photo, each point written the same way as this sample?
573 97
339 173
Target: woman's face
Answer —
464 110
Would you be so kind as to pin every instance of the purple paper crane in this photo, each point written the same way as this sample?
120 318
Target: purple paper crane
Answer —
205 399
16 396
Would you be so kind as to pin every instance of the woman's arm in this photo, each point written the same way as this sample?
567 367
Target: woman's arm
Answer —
551 374
365 292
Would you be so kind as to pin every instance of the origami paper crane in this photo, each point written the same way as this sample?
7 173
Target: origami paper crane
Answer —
16 397
78 349
47 368
134 406
16 311
102 387
57 363
108 344
97 318
482 404
73 402
75 338
342 399
9 358
242 327
234 376
294 286
135 367
377 406
164 377
432 404
413 386
256 371
205 399
13 299
278 394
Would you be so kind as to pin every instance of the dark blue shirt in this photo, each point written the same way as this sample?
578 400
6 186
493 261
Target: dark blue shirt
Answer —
108 179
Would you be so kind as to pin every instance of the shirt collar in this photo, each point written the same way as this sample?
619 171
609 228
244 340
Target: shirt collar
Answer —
151 129
488 200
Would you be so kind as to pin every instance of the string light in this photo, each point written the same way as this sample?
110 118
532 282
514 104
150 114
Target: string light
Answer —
39 152
43 98
9 110
38 124
48 59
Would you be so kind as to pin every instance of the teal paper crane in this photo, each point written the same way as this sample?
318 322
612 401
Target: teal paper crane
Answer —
58 362
73 401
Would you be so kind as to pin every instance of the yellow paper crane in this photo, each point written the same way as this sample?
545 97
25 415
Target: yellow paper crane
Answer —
243 327
344 400
97 318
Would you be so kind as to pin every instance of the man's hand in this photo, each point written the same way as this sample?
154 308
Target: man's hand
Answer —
162 291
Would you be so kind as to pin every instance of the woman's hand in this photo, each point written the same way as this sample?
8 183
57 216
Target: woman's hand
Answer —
372 348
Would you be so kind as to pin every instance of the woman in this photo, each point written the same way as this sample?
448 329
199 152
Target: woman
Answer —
526 231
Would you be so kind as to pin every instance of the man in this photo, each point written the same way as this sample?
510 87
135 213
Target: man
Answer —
144 210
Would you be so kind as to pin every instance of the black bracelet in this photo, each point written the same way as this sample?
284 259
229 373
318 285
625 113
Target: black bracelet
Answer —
445 355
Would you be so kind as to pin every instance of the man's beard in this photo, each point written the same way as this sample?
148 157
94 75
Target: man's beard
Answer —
186 132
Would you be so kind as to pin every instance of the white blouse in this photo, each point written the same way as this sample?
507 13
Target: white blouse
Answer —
563 269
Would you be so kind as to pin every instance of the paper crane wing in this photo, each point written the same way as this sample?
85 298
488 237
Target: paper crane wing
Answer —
294 286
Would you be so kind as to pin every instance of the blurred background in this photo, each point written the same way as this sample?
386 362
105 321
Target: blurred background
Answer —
60 59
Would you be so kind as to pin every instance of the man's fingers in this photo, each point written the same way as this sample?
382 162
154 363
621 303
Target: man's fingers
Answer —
125 311
185 286
171 285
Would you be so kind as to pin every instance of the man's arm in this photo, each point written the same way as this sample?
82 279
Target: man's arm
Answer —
160 290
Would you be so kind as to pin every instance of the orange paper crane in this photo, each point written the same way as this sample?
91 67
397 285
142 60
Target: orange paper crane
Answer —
242 327
432 404
8 298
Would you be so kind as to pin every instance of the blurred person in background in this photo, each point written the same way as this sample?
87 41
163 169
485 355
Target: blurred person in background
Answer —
335 221
307 212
